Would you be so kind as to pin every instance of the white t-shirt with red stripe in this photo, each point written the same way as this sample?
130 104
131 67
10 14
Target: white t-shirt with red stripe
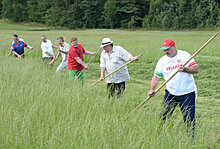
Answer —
182 83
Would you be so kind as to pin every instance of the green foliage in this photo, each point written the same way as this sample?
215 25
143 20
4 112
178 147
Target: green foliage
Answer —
15 10
145 22
91 12
154 16
33 15
110 12
85 14
182 14
0 8
130 8
56 15
131 24
7 10
74 16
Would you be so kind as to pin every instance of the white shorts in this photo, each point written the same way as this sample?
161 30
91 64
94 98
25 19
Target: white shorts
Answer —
61 67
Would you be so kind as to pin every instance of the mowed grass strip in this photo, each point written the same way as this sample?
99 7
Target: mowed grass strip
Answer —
43 109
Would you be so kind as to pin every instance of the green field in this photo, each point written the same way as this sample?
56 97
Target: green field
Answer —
42 109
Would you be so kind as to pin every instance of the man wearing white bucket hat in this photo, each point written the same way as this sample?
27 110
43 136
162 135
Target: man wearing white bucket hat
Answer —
112 57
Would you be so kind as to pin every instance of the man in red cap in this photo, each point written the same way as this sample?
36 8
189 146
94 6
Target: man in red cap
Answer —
181 89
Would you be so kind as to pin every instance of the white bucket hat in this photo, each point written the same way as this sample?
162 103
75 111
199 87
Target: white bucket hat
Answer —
105 42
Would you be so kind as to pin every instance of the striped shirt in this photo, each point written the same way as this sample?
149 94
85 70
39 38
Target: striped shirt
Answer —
64 48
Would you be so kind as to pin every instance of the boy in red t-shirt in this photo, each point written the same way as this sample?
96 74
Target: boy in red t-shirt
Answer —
76 60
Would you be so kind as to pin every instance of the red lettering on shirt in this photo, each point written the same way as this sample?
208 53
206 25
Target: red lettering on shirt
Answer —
172 67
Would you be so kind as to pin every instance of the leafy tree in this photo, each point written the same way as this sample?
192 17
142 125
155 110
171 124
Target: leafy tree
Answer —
154 16
56 15
185 14
15 10
0 8
100 22
7 9
74 16
110 12
33 11
92 12
126 9
131 24
143 7
167 14
213 14
43 7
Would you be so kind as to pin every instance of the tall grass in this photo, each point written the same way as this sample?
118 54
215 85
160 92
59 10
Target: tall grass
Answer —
43 109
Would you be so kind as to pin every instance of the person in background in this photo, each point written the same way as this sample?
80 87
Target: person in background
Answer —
63 51
14 36
76 60
18 47
47 49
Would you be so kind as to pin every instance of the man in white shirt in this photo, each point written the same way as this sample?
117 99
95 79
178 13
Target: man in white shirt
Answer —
112 57
181 89
63 51
47 49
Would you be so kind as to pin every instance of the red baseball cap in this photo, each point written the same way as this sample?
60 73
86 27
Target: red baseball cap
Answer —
167 43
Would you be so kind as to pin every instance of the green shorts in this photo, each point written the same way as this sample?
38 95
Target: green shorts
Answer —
74 73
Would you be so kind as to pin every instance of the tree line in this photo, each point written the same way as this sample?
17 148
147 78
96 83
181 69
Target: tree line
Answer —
73 14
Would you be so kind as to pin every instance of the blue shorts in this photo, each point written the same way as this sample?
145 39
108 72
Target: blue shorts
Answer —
186 103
